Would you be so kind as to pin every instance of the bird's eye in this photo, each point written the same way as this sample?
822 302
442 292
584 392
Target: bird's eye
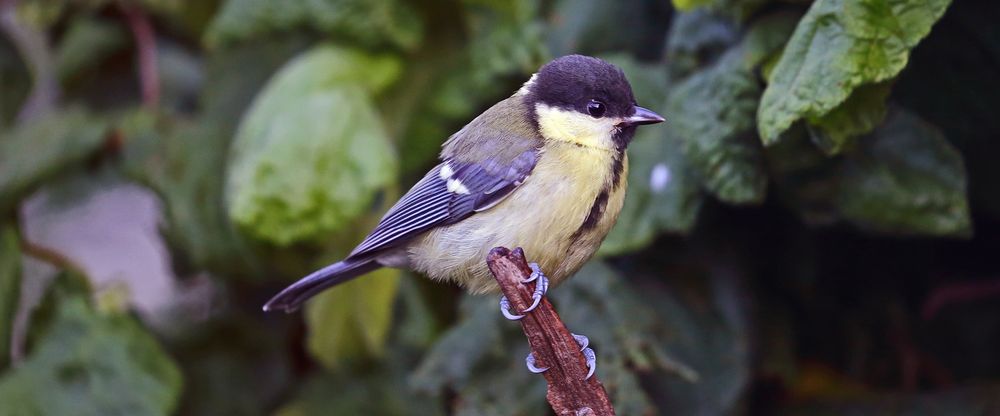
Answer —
596 109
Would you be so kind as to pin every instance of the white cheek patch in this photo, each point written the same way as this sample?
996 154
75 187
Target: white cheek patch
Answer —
455 186
575 127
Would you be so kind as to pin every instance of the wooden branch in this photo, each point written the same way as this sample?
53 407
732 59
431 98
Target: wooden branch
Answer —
569 392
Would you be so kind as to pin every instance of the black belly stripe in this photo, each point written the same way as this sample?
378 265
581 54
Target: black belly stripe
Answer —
595 215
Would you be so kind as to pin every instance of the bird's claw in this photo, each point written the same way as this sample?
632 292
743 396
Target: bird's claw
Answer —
581 340
591 357
535 272
541 286
530 362
505 310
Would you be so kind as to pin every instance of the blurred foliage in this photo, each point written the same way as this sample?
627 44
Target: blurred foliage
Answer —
10 289
82 361
813 231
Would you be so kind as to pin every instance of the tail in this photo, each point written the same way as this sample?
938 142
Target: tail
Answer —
293 296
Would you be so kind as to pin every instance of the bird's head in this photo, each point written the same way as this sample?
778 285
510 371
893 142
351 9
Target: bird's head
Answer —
586 101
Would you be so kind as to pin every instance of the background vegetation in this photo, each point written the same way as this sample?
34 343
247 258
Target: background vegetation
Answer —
814 230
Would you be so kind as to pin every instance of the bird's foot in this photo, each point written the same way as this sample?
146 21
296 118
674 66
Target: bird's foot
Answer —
541 286
588 354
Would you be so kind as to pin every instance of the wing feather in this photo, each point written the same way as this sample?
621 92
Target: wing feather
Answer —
464 189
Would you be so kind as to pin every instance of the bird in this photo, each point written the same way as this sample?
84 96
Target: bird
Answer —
544 169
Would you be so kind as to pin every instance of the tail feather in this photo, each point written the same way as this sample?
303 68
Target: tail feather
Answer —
295 295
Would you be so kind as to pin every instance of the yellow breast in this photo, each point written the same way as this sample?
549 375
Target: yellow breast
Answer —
543 216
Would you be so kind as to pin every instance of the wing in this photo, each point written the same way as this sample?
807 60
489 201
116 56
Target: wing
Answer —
450 192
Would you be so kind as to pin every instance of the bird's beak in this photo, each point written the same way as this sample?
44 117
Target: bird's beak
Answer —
643 116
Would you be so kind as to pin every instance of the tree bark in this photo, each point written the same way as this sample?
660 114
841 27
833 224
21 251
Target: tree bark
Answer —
569 392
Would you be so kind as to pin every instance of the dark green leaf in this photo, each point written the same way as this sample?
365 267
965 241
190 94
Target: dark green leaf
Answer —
372 23
859 114
713 112
41 149
838 46
906 178
86 362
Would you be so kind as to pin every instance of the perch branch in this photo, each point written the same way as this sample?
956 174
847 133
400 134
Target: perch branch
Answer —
569 391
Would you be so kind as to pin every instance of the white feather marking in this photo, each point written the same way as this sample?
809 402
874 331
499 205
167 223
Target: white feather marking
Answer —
446 171
456 186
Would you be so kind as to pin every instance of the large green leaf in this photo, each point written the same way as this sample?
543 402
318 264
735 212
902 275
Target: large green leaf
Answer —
40 149
86 362
907 179
10 288
370 22
838 46
713 111
352 319
311 153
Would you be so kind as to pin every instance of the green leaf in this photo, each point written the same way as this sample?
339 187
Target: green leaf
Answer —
311 153
40 149
863 111
353 320
85 362
10 287
713 111
838 46
371 23
906 179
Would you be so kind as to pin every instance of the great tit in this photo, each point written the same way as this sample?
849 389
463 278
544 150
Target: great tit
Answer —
544 169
